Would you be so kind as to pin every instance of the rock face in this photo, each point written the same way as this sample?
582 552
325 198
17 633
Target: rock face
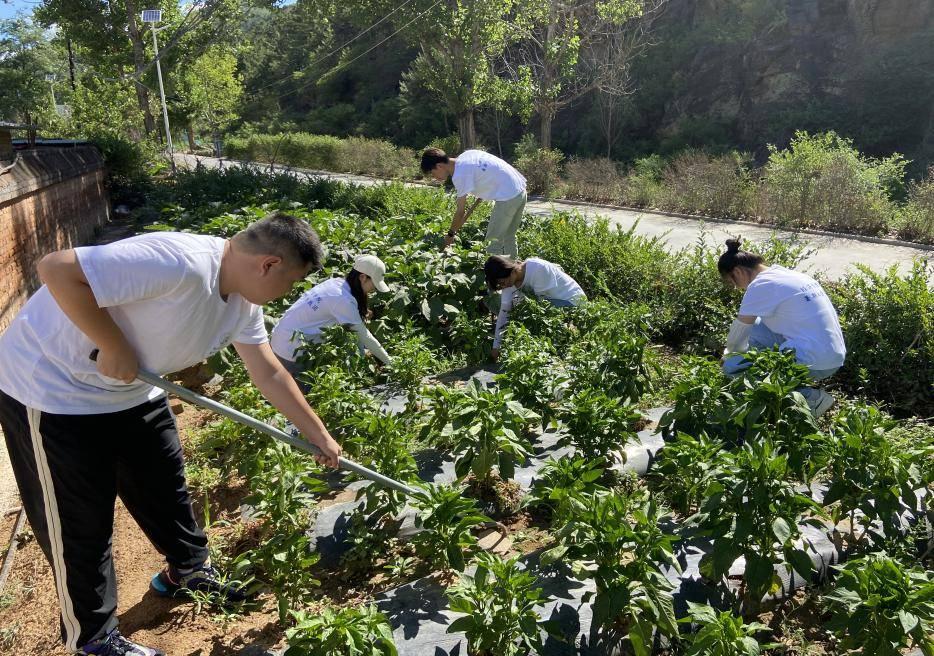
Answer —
768 67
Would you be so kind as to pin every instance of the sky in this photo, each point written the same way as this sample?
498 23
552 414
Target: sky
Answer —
10 9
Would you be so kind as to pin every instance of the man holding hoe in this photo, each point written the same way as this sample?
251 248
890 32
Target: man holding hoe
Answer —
82 432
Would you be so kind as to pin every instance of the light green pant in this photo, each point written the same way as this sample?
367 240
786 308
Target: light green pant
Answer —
504 224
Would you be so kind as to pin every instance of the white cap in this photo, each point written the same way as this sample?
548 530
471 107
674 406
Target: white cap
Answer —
373 267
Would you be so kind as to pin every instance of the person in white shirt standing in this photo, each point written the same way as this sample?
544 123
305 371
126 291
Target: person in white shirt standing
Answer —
82 432
541 278
487 177
334 302
785 309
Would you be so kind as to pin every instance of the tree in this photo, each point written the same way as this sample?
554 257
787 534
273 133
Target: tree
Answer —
575 47
459 42
28 56
109 39
212 90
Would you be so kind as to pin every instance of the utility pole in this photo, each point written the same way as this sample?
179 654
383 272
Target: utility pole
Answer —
153 16
50 78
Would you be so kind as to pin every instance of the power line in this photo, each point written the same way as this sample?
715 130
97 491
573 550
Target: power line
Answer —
337 49
365 52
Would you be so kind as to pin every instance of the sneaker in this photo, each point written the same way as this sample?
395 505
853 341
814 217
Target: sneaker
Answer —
169 582
820 402
116 645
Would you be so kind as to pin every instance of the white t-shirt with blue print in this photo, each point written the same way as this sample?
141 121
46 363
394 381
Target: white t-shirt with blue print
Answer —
795 306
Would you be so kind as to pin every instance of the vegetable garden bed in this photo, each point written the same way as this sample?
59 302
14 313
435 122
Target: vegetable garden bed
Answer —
625 526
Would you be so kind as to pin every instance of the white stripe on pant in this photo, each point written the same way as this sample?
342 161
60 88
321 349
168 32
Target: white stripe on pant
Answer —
70 622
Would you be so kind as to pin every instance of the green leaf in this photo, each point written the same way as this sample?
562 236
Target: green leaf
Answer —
781 530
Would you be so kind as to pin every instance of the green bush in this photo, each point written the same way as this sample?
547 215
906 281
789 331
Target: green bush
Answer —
888 323
362 631
823 181
326 153
697 182
917 217
594 180
128 167
642 186
376 157
540 166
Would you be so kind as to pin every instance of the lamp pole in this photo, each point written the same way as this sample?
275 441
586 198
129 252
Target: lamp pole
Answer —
153 16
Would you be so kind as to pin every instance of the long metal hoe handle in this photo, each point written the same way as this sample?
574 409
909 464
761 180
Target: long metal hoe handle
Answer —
263 427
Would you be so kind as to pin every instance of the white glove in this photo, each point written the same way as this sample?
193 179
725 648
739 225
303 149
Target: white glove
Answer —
737 340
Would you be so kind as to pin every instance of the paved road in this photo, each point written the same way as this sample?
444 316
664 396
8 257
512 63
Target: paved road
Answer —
832 256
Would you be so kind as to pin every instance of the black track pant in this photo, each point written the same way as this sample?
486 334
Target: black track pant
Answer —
70 469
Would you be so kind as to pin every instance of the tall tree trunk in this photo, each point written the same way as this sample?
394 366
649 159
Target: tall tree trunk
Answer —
547 116
190 131
139 63
466 130
71 63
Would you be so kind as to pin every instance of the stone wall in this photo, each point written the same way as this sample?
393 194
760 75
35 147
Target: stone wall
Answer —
52 198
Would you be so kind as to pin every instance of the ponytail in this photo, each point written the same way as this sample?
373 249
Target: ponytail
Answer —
734 257
356 289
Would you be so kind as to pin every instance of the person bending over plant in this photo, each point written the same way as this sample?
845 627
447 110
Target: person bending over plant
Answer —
534 275
338 301
782 308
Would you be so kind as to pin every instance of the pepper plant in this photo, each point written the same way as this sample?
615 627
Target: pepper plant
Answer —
881 606
281 496
684 468
564 485
382 441
544 321
440 402
700 404
869 473
335 346
617 540
412 360
490 427
528 369
722 634
753 510
598 425
446 518
498 604
471 336
360 631
768 402
613 360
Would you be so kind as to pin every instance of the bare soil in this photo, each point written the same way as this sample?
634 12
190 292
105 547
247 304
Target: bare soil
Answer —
29 620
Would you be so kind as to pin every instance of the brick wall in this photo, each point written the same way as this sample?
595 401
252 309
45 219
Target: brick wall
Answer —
52 198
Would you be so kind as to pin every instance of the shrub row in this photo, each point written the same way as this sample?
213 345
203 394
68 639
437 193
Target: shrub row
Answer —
819 181
325 153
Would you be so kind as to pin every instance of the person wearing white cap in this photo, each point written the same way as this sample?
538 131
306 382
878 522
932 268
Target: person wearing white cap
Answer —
338 301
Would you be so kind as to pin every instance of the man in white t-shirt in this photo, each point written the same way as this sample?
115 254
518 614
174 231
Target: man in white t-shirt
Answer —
486 177
82 432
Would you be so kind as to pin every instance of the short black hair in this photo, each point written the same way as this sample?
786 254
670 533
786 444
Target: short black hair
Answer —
734 257
496 268
432 157
285 236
